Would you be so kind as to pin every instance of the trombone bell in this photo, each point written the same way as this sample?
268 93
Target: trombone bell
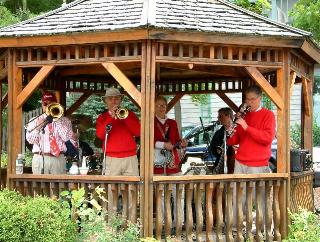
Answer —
55 110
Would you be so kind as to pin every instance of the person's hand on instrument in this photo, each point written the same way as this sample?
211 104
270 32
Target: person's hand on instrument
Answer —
184 143
168 146
242 122
113 112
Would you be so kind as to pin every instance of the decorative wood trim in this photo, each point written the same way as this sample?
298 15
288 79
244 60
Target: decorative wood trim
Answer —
77 104
173 101
228 101
120 77
306 96
73 39
293 76
33 84
263 41
265 85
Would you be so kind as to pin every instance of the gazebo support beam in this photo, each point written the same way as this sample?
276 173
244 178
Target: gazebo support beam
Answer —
293 76
265 85
77 104
173 101
33 84
306 96
121 78
228 101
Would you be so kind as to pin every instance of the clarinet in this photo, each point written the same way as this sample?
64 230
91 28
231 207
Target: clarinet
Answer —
244 108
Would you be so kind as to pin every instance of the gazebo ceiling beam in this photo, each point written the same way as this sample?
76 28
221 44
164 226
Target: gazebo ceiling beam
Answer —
218 62
77 104
311 50
212 70
228 101
265 85
33 84
173 101
121 78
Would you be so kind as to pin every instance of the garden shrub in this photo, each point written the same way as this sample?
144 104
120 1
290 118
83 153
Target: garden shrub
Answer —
305 227
27 219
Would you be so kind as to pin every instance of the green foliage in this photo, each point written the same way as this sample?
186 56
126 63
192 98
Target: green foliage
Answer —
7 17
305 227
306 15
261 7
295 134
91 218
4 159
266 102
316 85
34 219
200 99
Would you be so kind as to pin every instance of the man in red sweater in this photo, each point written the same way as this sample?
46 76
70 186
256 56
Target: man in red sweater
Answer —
120 149
254 134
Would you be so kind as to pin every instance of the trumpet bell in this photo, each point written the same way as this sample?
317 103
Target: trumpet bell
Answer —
122 113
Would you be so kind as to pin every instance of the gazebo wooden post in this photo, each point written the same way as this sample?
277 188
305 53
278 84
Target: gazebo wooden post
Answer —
283 137
146 139
14 112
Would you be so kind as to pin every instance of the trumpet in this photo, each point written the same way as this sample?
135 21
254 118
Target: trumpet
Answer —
53 110
122 113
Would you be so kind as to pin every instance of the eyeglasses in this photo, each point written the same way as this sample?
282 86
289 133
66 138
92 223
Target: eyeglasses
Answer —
252 99
161 105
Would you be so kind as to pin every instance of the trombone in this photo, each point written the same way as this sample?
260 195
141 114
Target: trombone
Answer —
55 110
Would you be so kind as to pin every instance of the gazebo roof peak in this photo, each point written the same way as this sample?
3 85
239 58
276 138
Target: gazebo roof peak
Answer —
212 16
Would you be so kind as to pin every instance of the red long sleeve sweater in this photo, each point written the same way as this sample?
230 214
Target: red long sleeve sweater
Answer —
121 139
255 141
174 138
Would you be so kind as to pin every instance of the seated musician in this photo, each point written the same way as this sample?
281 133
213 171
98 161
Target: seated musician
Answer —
217 144
49 136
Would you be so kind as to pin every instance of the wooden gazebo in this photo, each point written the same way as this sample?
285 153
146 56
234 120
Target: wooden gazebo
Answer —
171 48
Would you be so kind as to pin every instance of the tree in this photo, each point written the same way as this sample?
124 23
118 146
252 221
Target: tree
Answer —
261 7
306 15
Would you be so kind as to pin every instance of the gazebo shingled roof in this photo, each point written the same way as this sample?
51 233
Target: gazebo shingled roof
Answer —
216 16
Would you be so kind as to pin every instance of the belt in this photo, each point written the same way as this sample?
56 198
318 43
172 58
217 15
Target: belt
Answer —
45 154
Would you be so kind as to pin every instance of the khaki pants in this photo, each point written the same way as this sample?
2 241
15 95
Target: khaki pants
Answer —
243 169
112 166
127 166
52 165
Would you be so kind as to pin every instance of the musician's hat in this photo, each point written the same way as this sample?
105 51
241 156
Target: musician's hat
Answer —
48 97
112 92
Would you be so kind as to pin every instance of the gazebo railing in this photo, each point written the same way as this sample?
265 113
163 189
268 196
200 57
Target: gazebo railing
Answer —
126 188
208 206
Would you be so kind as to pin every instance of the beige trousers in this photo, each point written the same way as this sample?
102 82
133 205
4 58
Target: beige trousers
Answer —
52 165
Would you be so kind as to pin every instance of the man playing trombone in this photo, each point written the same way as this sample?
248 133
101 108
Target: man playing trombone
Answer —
117 128
48 134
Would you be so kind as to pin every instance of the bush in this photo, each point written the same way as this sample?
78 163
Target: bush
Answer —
34 219
91 218
305 227
295 134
